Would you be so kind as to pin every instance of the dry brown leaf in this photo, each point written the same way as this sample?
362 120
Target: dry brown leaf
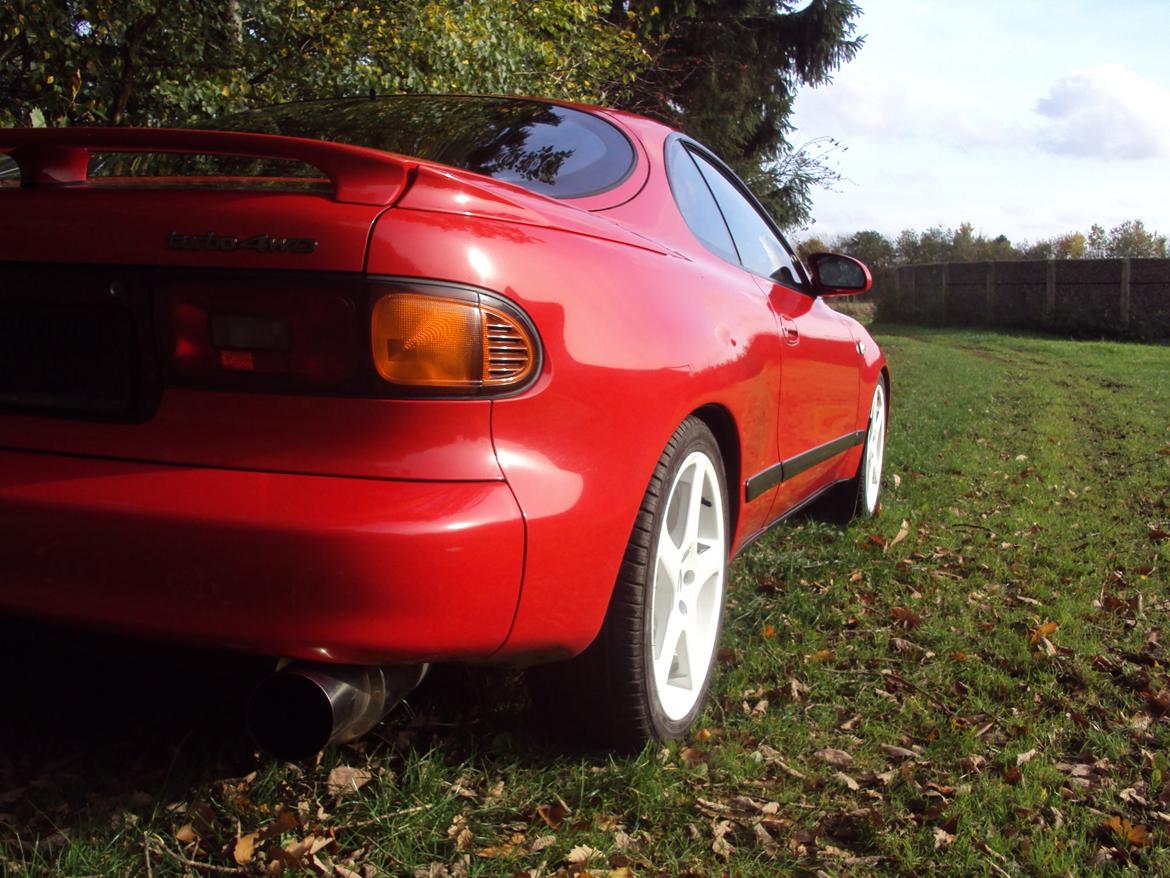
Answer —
903 532
942 838
898 752
344 780
552 815
245 848
689 756
1025 757
459 833
835 758
542 842
1042 632
906 617
720 845
186 833
821 655
1135 835
846 781
582 853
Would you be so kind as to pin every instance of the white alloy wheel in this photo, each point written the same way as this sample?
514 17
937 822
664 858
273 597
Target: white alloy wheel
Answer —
646 674
875 447
686 594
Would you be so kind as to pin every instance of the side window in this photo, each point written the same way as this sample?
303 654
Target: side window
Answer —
696 203
760 250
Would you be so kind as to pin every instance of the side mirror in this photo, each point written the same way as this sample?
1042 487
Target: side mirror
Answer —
837 275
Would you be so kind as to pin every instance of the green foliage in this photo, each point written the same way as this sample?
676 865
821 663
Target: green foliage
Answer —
1070 245
871 247
726 72
138 62
938 244
1131 238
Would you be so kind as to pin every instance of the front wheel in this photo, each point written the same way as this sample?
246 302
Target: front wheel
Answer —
861 496
646 675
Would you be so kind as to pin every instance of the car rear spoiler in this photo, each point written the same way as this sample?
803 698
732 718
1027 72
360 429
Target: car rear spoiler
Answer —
52 157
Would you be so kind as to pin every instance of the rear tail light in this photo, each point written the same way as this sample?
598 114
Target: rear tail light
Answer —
423 340
340 336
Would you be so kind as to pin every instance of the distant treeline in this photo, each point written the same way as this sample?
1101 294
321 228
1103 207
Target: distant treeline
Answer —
937 245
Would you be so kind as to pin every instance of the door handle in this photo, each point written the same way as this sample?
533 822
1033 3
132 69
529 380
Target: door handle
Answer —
788 330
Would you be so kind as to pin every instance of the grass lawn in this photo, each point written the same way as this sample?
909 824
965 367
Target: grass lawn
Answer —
974 684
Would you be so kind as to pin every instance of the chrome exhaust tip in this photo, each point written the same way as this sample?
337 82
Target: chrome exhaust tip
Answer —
303 708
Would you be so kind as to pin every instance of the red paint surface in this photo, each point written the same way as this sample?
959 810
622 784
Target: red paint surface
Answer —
360 529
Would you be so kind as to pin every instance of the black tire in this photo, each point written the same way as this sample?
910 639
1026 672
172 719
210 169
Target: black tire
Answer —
843 503
607 694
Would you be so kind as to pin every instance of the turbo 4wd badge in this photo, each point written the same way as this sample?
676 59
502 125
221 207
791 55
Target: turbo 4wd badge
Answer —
210 241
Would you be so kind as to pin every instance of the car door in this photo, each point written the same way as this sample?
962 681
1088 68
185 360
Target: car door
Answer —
820 378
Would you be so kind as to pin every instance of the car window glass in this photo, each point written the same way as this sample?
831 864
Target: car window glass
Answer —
546 148
696 203
760 250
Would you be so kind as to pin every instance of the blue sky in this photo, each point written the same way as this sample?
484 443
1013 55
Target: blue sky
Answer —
1025 118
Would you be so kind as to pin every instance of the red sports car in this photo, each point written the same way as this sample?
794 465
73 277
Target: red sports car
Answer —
367 384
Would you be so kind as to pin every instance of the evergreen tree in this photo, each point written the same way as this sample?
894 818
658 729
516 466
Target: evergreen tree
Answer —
727 73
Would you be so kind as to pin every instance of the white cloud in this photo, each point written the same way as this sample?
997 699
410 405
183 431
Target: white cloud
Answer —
892 109
1106 111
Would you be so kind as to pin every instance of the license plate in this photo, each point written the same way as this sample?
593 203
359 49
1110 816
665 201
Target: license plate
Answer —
67 359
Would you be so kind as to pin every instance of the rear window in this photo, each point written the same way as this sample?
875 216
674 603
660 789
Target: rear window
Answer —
551 150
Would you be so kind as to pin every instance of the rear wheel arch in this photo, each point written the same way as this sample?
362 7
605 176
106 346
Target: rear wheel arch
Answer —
721 423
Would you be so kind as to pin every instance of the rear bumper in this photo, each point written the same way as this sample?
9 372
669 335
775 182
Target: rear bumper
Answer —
312 567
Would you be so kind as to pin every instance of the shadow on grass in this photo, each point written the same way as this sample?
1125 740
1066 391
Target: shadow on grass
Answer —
94 728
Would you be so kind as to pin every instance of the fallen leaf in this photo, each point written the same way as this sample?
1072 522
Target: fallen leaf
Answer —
942 838
898 752
459 833
903 532
846 781
186 833
835 758
821 655
552 815
905 617
344 780
897 480
1042 632
720 845
542 842
688 756
245 848
1132 834
1025 757
582 853
768 631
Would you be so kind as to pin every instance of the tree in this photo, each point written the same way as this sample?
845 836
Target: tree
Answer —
808 246
1132 239
1070 245
727 72
145 62
871 247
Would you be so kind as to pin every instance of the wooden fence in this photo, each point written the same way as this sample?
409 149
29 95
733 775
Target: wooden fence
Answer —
1116 298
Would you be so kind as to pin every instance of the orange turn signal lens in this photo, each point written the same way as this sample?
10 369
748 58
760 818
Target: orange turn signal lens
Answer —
430 341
